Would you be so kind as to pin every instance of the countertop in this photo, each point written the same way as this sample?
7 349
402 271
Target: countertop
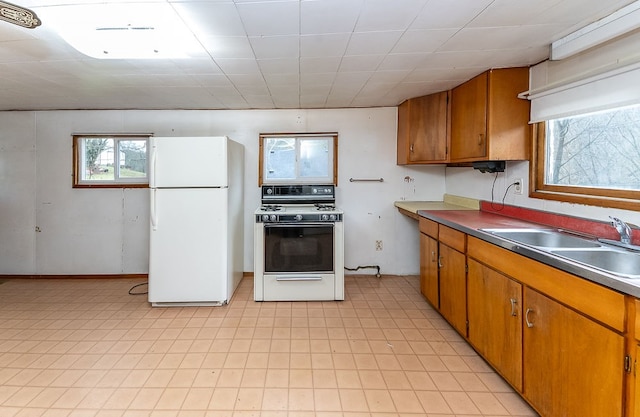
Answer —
449 202
472 221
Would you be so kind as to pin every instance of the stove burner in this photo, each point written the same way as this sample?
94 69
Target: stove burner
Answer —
325 207
271 207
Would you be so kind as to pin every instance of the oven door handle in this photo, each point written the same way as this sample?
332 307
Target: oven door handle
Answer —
298 278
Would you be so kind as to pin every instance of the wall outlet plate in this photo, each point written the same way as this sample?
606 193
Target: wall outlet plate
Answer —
519 185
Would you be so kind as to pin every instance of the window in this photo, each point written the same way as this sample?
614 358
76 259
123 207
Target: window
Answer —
592 158
298 158
110 161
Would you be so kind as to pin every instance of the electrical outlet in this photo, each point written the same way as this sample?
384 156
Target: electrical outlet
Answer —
519 185
378 245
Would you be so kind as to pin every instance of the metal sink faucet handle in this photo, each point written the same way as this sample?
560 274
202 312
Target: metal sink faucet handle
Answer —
622 228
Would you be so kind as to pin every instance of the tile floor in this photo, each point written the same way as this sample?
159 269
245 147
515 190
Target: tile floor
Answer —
86 348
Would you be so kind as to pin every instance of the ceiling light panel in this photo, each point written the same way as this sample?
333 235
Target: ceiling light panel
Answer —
124 31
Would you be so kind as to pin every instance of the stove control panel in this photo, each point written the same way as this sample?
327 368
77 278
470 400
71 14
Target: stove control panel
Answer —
298 218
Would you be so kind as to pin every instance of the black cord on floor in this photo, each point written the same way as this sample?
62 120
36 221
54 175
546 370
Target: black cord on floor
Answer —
365 267
138 293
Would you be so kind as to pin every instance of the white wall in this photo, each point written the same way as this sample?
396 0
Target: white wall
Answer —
48 227
473 184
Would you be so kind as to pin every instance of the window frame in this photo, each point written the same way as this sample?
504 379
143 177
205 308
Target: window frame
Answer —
116 183
297 136
601 197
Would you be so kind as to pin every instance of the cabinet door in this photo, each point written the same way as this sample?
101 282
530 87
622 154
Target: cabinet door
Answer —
572 365
453 287
428 134
494 304
429 269
469 119
635 411
423 128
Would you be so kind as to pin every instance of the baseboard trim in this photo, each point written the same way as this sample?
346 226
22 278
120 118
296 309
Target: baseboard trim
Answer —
83 276
90 276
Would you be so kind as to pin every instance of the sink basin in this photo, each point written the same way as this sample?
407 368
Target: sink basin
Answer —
543 238
625 264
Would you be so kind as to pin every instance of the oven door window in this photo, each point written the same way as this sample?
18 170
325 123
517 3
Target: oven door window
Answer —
298 248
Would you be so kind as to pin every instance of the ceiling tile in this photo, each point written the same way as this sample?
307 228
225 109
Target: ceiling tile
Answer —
319 65
238 66
280 79
395 62
323 45
207 19
360 62
279 66
485 39
383 15
422 40
265 47
283 18
227 47
510 12
439 14
329 16
372 43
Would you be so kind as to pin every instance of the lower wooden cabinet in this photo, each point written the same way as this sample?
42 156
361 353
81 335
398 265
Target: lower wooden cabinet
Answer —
558 339
453 287
634 409
429 269
573 366
494 308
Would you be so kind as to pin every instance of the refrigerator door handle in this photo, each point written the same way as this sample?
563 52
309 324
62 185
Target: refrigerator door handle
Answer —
154 212
152 171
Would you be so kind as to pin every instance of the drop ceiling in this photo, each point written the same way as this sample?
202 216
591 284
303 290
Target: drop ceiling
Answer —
288 53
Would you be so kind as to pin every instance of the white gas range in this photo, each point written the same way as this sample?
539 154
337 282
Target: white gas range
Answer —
298 244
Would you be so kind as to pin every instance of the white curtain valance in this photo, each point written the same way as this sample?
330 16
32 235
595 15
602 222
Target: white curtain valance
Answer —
615 88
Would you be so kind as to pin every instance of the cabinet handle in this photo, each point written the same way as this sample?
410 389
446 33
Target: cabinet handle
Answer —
440 262
411 148
433 256
514 303
480 139
526 317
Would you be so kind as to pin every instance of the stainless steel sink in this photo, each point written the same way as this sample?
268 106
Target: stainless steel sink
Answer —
591 253
543 238
624 264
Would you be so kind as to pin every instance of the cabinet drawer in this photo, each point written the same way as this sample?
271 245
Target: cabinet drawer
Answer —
429 227
452 238
290 288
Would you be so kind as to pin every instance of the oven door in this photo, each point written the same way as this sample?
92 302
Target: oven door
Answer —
298 248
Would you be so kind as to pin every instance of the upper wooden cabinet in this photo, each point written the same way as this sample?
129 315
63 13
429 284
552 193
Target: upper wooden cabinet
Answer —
423 130
488 120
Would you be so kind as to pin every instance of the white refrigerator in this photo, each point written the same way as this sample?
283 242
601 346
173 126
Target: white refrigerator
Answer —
196 243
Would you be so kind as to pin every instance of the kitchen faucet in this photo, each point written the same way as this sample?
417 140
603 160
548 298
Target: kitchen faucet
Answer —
622 228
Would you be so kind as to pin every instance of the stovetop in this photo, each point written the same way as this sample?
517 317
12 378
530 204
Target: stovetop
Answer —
296 213
298 203
297 208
